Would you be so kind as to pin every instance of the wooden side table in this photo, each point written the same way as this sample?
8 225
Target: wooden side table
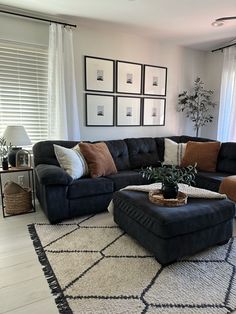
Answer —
30 172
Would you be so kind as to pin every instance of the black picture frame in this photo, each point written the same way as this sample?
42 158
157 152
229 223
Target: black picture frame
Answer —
129 77
126 111
99 74
153 110
99 110
155 80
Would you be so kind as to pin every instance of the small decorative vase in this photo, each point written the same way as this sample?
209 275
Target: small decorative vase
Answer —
4 163
170 191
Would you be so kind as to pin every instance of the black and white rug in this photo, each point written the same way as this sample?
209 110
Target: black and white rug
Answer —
92 266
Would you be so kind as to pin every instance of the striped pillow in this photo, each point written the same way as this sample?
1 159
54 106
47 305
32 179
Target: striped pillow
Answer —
71 160
174 152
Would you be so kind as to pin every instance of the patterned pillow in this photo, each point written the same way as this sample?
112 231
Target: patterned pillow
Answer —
71 160
174 152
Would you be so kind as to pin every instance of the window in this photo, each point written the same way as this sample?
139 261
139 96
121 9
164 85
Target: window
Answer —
23 88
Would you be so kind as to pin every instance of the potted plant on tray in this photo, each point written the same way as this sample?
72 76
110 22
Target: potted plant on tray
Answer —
170 176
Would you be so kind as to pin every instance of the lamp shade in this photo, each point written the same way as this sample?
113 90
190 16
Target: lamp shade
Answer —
16 135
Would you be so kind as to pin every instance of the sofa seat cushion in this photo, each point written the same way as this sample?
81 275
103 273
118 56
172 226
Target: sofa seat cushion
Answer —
210 180
127 177
84 187
168 222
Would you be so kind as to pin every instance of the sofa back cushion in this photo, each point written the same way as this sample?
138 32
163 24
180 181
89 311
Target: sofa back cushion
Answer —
186 138
142 152
44 151
120 154
227 158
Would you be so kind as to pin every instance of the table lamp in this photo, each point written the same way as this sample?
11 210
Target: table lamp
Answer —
16 136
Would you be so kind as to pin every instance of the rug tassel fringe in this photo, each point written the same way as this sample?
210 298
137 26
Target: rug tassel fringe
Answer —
56 290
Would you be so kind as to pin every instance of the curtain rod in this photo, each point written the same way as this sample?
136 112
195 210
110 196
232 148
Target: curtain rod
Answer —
222 48
37 18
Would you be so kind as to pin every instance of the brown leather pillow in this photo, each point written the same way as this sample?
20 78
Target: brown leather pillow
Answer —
99 159
203 153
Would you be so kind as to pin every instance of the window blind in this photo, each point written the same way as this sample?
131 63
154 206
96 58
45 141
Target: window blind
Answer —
23 88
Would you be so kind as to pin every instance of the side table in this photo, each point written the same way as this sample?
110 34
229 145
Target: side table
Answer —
30 172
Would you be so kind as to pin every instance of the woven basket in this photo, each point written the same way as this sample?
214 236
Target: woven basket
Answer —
17 199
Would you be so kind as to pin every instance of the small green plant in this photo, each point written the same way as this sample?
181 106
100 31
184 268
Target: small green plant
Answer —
170 175
197 105
4 148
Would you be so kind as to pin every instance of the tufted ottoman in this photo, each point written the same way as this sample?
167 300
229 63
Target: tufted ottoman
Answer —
171 233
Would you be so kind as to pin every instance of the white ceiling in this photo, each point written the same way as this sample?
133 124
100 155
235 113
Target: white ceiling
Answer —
184 22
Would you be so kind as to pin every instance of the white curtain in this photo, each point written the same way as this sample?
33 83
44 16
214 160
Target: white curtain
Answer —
63 118
227 113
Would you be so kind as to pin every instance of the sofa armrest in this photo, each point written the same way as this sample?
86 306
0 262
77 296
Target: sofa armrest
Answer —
50 174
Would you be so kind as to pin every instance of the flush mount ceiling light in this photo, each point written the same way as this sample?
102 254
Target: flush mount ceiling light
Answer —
221 21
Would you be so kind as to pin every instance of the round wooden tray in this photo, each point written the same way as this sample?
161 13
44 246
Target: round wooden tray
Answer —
157 198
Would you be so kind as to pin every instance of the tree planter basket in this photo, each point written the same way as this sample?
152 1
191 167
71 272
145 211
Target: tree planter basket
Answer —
17 200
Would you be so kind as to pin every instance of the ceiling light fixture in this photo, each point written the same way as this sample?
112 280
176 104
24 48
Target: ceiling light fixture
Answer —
221 21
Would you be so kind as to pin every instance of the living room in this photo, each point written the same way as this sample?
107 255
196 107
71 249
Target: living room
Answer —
178 37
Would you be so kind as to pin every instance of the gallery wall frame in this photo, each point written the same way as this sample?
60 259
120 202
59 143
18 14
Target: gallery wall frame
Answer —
155 80
154 111
129 77
99 109
128 111
99 74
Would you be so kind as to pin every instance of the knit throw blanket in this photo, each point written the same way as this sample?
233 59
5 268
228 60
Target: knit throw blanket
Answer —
191 191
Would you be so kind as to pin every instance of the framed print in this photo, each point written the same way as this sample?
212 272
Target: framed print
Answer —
99 74
154 111
129 77
128 111
99 110
155 79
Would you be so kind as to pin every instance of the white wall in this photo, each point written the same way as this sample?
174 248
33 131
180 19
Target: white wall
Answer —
23 30
183 64
214 64
95 39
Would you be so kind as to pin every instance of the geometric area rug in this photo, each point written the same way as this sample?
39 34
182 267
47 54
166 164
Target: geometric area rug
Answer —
93 267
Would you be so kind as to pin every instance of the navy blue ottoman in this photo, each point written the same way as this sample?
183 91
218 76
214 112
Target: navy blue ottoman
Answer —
171 233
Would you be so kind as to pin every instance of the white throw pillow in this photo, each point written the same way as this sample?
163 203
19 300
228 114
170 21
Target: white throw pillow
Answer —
71 160
174 152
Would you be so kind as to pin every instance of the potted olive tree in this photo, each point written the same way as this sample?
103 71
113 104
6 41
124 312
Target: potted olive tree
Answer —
170 176
196 105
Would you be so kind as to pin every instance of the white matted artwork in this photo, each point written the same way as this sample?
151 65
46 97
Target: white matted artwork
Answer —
99 74
154 111
99 110
128 111
155 79
129 77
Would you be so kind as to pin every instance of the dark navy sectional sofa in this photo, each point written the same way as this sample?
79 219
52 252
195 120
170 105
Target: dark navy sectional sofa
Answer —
61 197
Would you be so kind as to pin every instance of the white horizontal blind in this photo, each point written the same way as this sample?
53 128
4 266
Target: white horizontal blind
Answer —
23 88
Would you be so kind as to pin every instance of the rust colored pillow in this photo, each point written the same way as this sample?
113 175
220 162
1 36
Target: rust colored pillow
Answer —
99 159
203 153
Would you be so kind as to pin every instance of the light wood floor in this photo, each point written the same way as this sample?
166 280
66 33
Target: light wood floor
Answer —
23 287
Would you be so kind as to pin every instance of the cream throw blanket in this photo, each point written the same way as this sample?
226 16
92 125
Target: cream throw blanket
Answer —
191 191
